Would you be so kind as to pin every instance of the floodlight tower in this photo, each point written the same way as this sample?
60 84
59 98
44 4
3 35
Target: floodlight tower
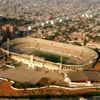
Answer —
31 62
61 59
7 48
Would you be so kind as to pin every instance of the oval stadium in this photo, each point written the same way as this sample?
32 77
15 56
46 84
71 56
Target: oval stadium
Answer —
53 55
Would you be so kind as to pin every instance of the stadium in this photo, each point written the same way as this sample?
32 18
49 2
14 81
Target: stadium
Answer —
49 54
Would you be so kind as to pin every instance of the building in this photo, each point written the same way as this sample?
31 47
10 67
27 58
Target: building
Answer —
8 31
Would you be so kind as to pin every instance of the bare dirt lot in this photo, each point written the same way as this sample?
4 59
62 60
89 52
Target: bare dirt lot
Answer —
23 74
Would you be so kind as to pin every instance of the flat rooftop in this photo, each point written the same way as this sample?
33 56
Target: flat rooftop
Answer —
83 76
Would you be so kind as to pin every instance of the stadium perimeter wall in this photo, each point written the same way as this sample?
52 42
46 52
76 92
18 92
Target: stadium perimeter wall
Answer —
88 56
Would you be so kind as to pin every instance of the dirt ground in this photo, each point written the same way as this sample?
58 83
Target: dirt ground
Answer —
23 74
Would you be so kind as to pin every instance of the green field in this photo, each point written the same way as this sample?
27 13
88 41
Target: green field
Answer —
54 57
